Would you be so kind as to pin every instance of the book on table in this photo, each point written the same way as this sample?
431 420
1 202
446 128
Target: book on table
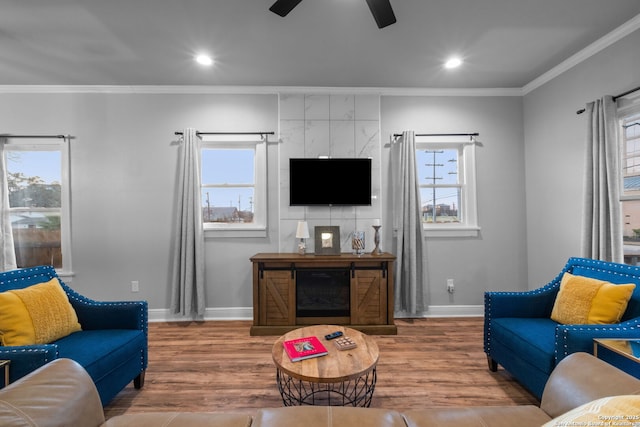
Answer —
304 348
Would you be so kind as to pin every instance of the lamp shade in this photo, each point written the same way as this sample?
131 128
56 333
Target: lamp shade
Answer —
303 230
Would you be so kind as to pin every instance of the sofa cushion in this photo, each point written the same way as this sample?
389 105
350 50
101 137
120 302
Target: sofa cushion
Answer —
38 314
498 416
324 416
180 419
584 300
102 351
532 339
613 410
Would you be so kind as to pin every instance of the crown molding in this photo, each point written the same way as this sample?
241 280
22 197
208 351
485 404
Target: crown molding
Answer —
255 90
619 33
142 89
451 91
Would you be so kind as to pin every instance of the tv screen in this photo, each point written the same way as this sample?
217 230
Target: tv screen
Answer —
330 182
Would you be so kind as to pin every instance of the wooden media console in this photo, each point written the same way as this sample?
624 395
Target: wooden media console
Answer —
291 291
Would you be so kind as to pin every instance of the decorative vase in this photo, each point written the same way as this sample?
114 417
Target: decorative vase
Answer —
357 242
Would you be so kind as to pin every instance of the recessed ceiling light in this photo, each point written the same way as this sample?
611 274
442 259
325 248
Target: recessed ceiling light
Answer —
453 62
203 59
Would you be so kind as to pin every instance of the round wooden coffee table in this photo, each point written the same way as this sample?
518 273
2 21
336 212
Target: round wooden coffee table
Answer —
341 378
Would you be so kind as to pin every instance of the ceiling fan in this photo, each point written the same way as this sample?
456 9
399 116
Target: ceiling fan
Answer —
381 10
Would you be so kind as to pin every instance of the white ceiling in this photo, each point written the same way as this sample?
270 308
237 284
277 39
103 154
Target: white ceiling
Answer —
326 43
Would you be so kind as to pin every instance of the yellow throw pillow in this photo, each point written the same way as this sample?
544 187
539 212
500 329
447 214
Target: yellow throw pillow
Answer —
586 301
610 303
609 411
38 314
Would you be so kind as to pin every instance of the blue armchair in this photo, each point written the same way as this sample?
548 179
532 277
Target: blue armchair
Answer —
520 335
112 346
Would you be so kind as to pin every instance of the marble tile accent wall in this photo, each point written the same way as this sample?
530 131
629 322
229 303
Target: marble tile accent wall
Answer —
335 126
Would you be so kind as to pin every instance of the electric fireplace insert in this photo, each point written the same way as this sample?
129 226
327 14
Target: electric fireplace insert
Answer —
323 292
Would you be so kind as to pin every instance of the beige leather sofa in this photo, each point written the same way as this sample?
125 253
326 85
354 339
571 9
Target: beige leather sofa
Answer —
62 394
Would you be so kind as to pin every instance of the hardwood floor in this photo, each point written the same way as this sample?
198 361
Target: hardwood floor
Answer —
218 367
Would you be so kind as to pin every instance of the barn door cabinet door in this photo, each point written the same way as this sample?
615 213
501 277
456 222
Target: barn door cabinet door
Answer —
277 298
368 298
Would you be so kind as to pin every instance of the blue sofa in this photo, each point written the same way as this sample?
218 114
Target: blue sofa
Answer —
112 346
520 336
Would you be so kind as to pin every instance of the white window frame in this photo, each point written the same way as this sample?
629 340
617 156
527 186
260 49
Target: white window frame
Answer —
468 225
627 106
61 145
258 228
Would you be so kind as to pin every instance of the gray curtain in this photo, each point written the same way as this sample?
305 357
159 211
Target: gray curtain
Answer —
187 296
7 251
602 223
408 241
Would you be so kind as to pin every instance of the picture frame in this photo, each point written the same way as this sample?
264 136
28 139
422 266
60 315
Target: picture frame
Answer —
327 240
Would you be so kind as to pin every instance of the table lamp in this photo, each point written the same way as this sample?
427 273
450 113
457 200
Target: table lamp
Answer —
302 233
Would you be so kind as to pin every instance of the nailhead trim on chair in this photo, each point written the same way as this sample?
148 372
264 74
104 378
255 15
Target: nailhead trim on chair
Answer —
31 350
623 327
21 273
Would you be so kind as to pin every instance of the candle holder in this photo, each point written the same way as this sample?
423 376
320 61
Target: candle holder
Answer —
376 240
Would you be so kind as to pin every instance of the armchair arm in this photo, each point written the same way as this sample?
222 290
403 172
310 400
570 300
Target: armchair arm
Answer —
25 359
579 338
535 303
108 315
112 315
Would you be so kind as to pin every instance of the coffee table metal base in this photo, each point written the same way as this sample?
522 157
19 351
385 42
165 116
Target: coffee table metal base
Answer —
355 392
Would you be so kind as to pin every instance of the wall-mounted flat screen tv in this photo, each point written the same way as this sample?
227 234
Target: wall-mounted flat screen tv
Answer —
330 182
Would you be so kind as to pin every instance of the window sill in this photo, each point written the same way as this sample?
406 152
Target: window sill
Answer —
451 231
65 275
212 233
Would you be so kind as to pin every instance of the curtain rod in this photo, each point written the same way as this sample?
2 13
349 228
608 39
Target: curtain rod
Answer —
8 135
229 133
397 135
582 110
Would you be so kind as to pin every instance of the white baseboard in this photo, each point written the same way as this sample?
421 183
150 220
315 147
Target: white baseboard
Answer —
226 313
246 313
447 311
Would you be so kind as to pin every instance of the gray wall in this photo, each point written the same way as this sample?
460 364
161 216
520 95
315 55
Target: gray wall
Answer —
123 173
496 259
554 152
123 184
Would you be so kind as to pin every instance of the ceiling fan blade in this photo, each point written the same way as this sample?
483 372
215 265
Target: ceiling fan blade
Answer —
283 7
382 12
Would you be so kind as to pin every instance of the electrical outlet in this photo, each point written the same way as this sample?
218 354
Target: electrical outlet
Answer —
135 286
450 286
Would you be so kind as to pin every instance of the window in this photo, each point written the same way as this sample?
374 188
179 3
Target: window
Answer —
38 180
630 138
233 185
446 174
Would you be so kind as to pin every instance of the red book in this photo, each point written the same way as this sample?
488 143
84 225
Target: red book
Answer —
304 348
